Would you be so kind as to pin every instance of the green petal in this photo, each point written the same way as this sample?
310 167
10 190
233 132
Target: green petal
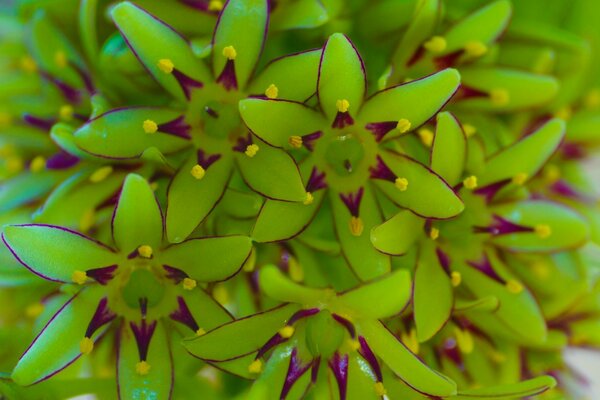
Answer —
209 259
58 343
427 194
191 200
520 390
392 292
158 383
54 253
397 235
584 128
527 155
272 378
223 343
152 40
295 76
120 133
300 14
489 303
361 385
275 121
279 287
243 25
207 312
273 173
341 76
449 149
27 187
403 363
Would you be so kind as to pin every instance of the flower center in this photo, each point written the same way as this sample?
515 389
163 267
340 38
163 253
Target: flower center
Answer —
143 283
344 154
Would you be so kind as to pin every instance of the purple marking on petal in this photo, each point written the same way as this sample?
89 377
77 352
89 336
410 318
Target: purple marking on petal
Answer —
206 160
211 112
44 124
187 83
448 60
346 324
143 306
242 143
502 226
316 181
485 267
562 188
133 254
416 56
490 191
175 274
85 77
274 341
101 317
451 351
227 77
177 127
183 315
366 353
70 93
200 5
465 92
342 119
339 367
294 372
444 259
314 371
102 275
352 201
61 160
298 315
380 129
382 171
143 334
572 151
308 140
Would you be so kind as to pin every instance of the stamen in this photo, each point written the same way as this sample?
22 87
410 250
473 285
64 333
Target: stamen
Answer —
469 130
353 344
66 112
455 278
592 99
272 91
380 389
295 141
37 164
543 231
200 332
184 316
308 140
403 125
79 277
380 129
339 367
294 372
541 270
175 274
229 52
295 270
251 150
309 199
349 326
520 178
255 367
464 340
475 49
436 44
166 65
551 173
434 233
34 310
177 127
102 275
145 251
316 181
87 221
86 345
215 5
426 136
401 184
286 332
302 314
499 97
28 64
101 174
564 113
143 335
101 316
150 126
470 182
343 117
60 59
356 226
142 368
189 284
514 286
352 201
410 341
197 172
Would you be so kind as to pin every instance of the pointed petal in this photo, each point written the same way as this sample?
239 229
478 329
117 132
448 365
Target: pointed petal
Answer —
520 390
279 287
449 149
27 187
397 235
360 381
300 14
207 312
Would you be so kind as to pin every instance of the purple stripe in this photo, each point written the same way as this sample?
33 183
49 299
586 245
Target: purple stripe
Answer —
187 83
227 77
316 180
61 160
484 266
342 119
175 274
102 275
382 171
275 340
183 315
490 191
101 317
177 127
346 324
308 140
206 160
143 335
352 201
302 314
294 372
339 367
44 124
380 129
367 354
502 226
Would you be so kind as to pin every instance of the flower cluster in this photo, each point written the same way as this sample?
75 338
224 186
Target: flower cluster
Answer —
286 199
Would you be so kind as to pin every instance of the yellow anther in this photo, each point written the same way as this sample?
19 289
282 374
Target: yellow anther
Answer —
286 332
86 345
37 164
295 270
101 174
551 173
380 389
564 113
496 356
514 286
464 340
60 59
403 125
142 368
434 233
255 367
66 112
14 164
520 178
272 91
28 64
87 221
250 263
251 150
401 184
410 341
145 251
221 294
592 99
475 48
200 332
165 65
541 269
150 126
436 44
543 231
215 5
469 129
154 186
5 119
34 309
470 182
342 105
308 199
499 97
426 136
455 278
229 52
198 172
353 344
295 141
189 283
79 277
356 226
407 79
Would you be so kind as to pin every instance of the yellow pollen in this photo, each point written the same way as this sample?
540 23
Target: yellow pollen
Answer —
407 79
543 231
250 263
499 97
286 332
475 48
79 277
145 251
401 184
436 44
410 341
564 113
189 283
255 367
470 182
251 150
353 344
215 5
66 112
455 278
356 226
551 173
88 219
380 389
229 52
541 270
464 340
34 309
295 141
469 129
37 164
60 59
403 125
150 126
426 136
101 174
14 164
5 119
28 64
342 105
142 368
434 233
165 65
497 357
154 186
221 294
295 270
272 91
198 172
520 178
200 332
514 286
592 99
86 345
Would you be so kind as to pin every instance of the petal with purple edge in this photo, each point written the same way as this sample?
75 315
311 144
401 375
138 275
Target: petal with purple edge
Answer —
361 384
397 235
339 367
449 149
205 310
280 287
